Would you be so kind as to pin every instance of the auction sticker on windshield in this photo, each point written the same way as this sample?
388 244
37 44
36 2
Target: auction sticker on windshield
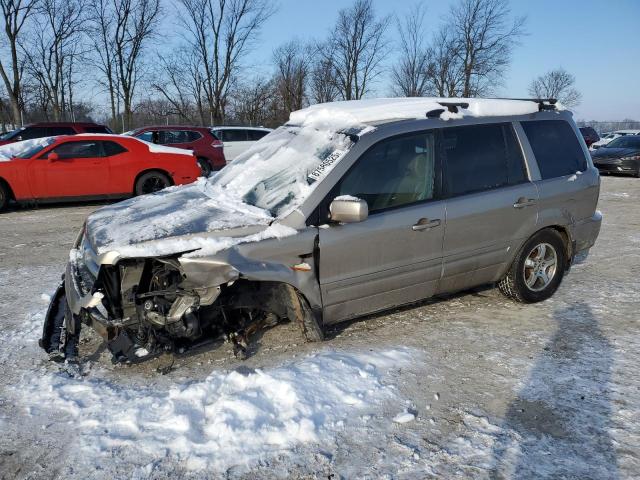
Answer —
326 165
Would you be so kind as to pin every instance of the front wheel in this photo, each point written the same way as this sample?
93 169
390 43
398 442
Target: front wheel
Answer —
4 196
151 182
537 270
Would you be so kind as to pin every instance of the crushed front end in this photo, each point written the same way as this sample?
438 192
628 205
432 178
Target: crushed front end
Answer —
142 307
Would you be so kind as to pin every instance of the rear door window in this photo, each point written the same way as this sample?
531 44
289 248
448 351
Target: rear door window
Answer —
234 135
481 157
395 172
53 131
255 135
556 148
97 129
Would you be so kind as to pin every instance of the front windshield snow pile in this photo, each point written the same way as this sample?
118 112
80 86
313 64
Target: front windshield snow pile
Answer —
25 149
280 171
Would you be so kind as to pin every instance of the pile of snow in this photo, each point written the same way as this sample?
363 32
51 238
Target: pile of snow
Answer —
229 419
356 112
7 152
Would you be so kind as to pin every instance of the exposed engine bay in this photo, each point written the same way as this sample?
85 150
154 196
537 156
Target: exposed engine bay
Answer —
144 307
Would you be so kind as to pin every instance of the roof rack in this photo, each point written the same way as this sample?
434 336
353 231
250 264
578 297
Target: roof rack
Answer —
451 106
543 103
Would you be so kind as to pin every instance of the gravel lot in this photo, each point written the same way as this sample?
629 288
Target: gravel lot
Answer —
488 388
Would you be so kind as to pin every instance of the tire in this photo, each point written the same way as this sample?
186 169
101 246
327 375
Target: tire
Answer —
533 275
300 312
151 182
205 166
4 197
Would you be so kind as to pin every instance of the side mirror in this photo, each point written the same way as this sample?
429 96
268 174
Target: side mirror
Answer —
347 209
53 157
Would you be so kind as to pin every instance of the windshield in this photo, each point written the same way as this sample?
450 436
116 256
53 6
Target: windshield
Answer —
627 141
280 171
25 149
10 135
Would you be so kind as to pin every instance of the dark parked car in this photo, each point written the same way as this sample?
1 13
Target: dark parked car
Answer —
206 147
621 155
51 129
590 135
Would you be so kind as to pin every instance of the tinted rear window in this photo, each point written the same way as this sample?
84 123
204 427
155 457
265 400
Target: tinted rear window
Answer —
556 147
481 157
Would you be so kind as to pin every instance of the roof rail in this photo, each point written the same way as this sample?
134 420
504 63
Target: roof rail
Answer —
543 103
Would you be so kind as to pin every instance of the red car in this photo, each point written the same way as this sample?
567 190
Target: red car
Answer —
51 129
206 147
90 167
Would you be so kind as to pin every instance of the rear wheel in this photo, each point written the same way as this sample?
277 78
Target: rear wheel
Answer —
151 182
4 196
537 270
205 166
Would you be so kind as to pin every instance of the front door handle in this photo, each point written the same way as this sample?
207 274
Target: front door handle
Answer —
523 202
425 224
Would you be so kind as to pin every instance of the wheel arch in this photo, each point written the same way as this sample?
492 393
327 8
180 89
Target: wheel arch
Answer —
148 170
566 239
7 185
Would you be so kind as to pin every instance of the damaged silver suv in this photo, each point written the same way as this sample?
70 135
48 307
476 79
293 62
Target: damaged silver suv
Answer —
348 209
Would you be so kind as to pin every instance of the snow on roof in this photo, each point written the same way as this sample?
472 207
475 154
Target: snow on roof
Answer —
354 112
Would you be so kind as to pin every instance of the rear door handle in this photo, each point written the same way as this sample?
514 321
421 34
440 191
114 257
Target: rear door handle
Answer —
425 224
523 202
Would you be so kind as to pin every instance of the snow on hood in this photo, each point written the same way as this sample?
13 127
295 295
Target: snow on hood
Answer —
172 212
354 112
7 152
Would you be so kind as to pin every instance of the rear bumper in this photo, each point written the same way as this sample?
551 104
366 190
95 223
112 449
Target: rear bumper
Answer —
585 232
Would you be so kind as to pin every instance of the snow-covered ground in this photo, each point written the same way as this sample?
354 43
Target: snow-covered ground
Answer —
471 386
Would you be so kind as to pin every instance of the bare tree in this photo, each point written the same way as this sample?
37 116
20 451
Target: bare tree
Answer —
180 83
50 52
121 31
445 74
356 49
323 82
410 73
485 35
221 33
256 103
558 84
293 65
16 14
101 20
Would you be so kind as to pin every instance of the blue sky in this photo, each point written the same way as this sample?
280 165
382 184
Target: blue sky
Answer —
597 41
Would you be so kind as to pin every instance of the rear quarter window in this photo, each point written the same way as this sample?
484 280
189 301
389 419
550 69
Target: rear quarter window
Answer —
556 148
